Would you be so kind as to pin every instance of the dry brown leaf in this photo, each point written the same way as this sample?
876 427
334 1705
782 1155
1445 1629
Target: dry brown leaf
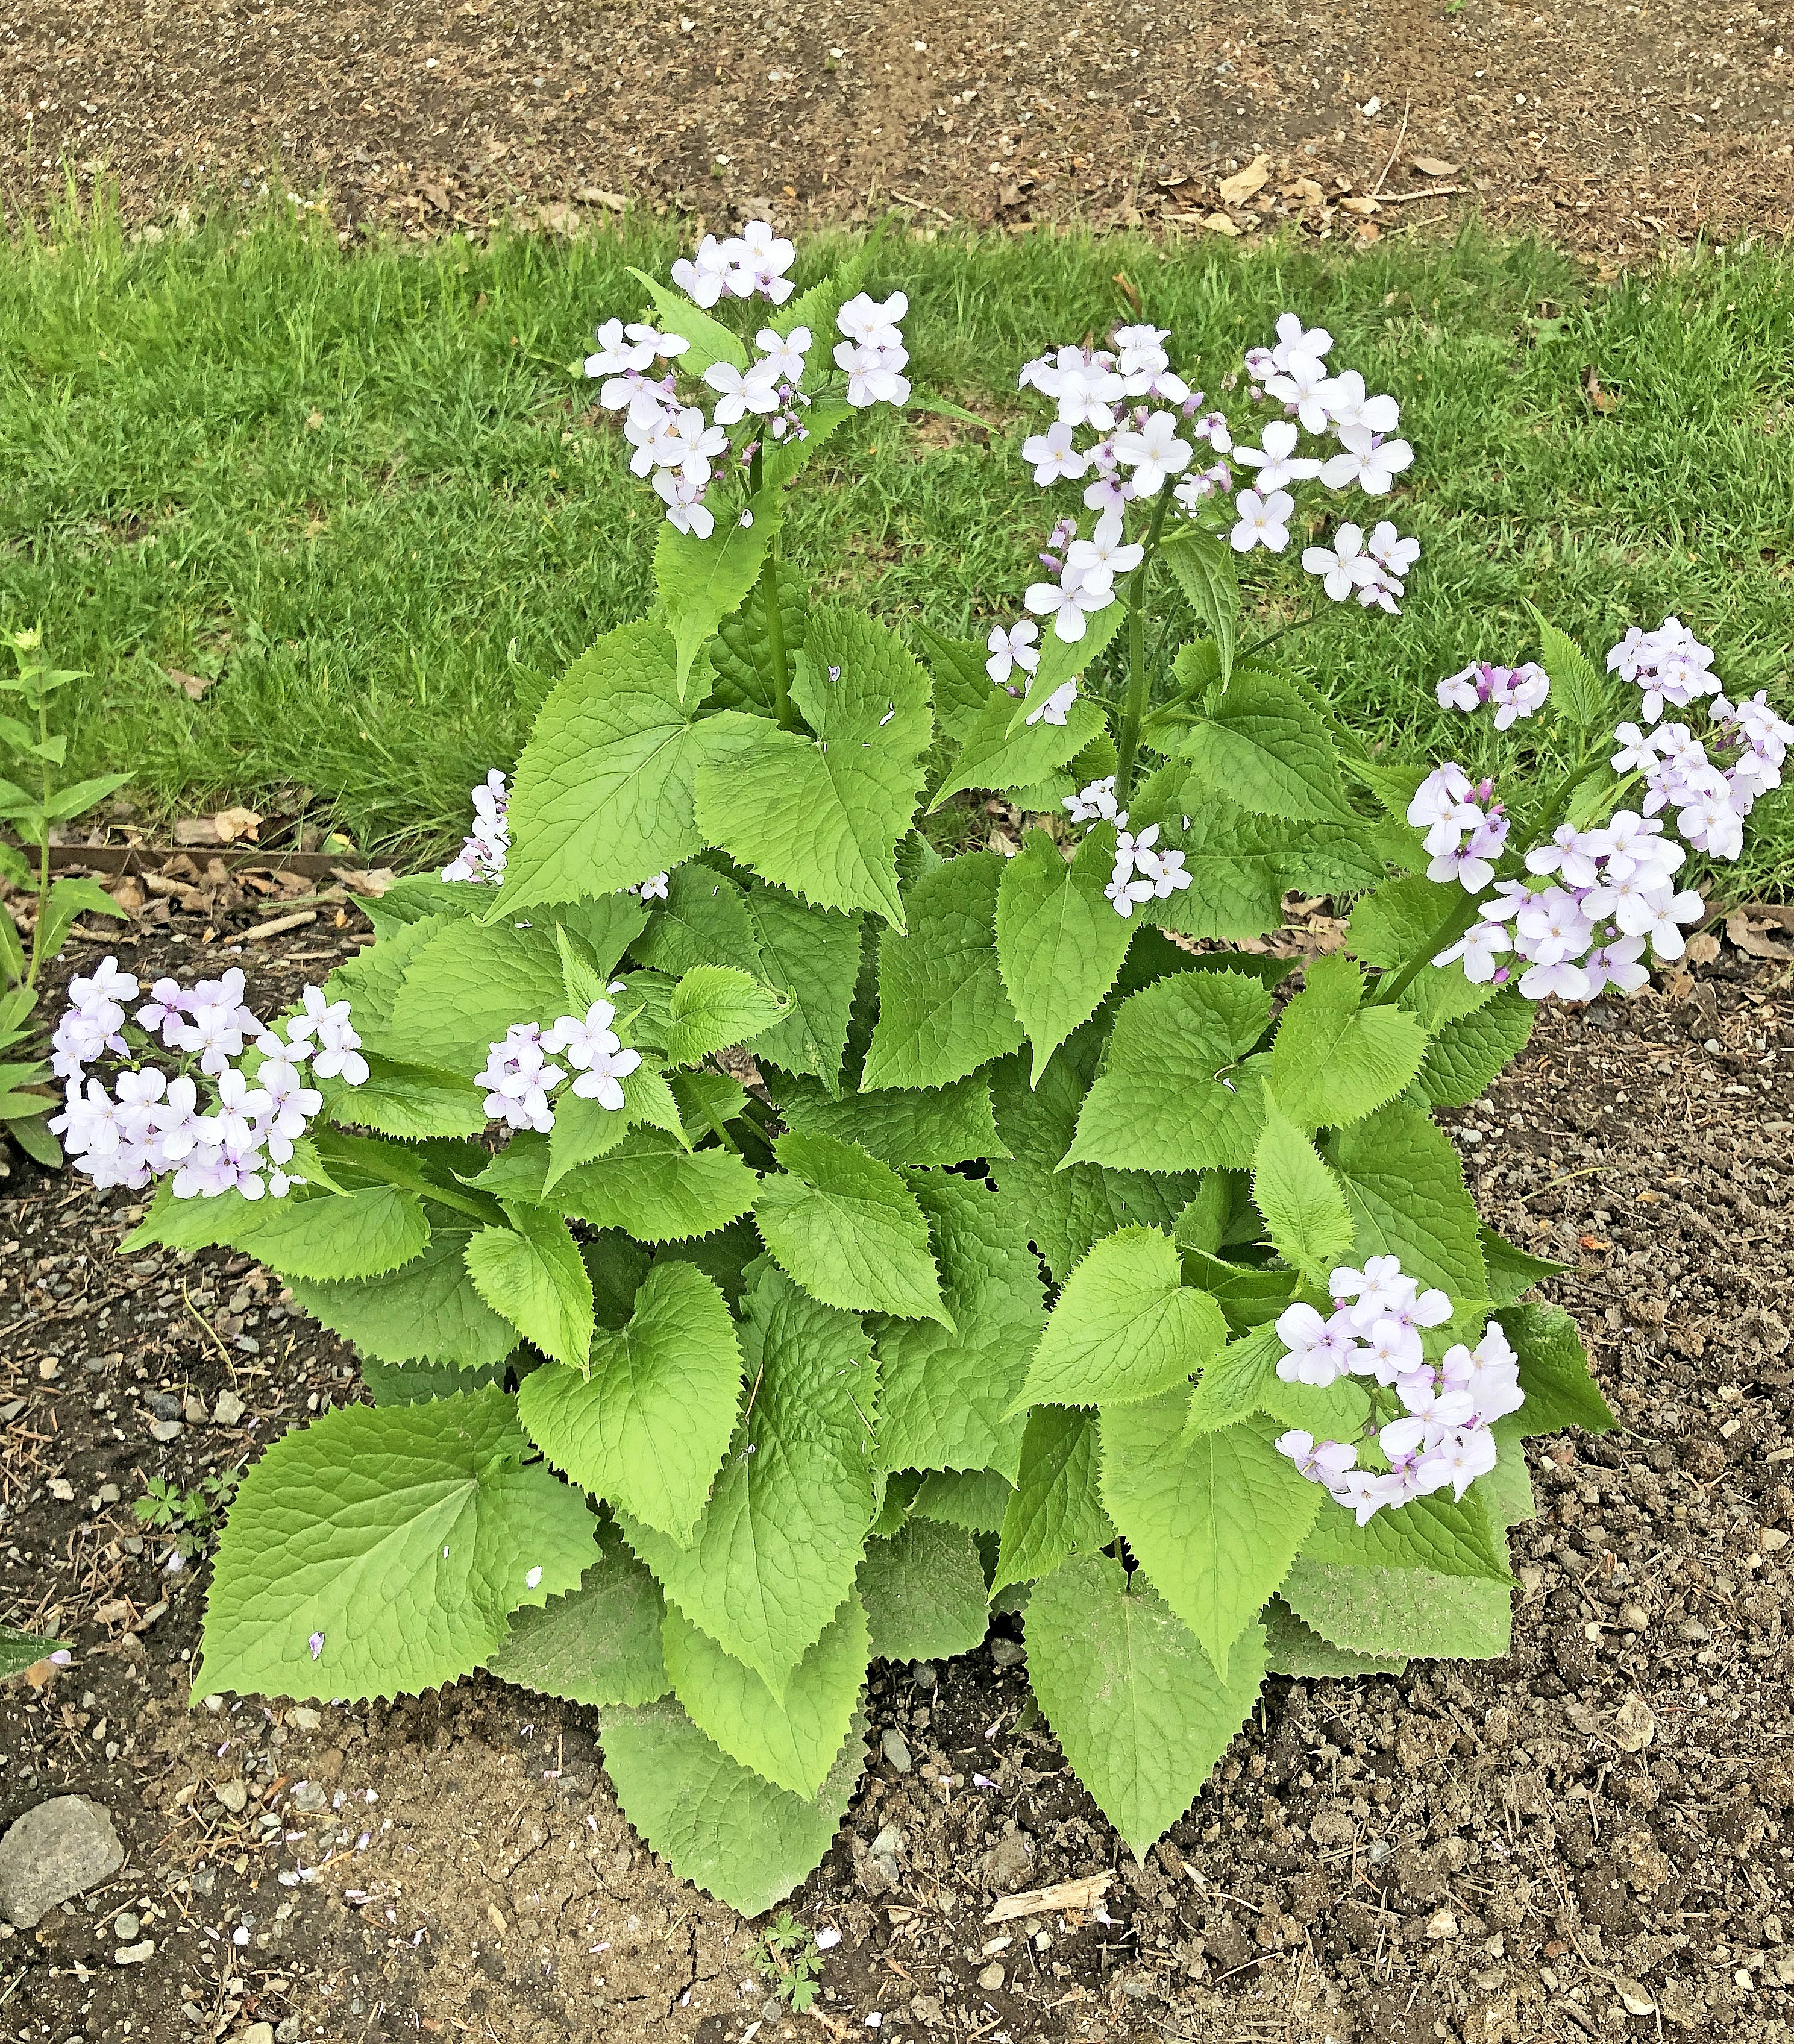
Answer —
1218 223
1366 206
437 197
196 830
1434 167
1368 230
1604 401
1678 985
1237 189
1702 949
1303 188
592 195
237 822
373 884
1751 938
194 685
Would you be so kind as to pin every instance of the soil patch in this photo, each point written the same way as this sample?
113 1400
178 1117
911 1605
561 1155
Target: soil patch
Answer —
1589 1839
1614 129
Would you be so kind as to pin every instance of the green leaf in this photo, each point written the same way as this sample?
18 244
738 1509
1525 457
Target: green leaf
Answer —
923 1589
715 1006
417 1383
709 341
1404 1190
990 758
20 1650
406 1102
821 815
703 920
420 897
1301 1200
1134 1701
792 1740
78 796
1059 943
67 899
1555 1372
532 1273
1066 1211
425 1312
1236 889
962 687
1063 658
320 1234
950 1124
1294 1648
945 1393
1215 1520
1505 1491
424 1511
942 1009
1580 690
1174 1095
718 1824
1243 1380
700 581
1388 926
813 954
1317 858
1512 1271
1334 1061
1467 1055
649 1186
1208 573
1057 1509
1262 747
975 1500
600 1643
646 1426
779 1541
849 1230
1126 1326
603 797
464 987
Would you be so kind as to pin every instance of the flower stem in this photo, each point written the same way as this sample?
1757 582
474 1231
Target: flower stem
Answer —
1134 711
43 921
775 621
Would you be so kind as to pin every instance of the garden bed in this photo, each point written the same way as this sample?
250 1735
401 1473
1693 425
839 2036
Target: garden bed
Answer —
1485 1852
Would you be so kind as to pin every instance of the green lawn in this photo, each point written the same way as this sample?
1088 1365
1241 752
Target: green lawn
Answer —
358 486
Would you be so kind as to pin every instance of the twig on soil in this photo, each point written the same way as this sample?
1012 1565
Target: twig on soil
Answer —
280 926
921 203
1407 101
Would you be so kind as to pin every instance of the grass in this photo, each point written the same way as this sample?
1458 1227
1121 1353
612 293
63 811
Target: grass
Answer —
358 488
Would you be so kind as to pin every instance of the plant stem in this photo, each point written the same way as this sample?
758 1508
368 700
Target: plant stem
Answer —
43 826
775 621
1134 711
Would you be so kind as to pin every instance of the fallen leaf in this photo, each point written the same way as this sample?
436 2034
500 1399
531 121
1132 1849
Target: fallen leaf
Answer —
1360 205
1749 937
1434 167
557 217
1368 230
196 830
237 822
1604 401
373 884
1635 1725
1127 290
1237 189
1218 223
1303 188
1705 949
195 685
592 195
1678 985
436 196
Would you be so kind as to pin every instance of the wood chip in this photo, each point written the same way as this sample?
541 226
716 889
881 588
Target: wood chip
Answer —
280 926
1241 186
1061 1895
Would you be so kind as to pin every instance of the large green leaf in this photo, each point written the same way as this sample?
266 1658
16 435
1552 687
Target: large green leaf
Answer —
603 797
465 987
793 1739
1293 1648
700 581
1126 1326
741 653
1469 1054
813 955
942 1009
1174 1095
849 1230
427 1311
406 1102
715 1006
945 1394
378 1552
363 1234
707 340
530 1274
600 1643
1208 572
1056 1509
949 1124
1404 917
1301 1200
822 815
989 758
1404 1190
1215 1520
1235 890
1134 1700
1264 747
1555 1372
703 920
1060 942
646 1425
717 1823
1336 1061
649 1185
923 1589
781 1539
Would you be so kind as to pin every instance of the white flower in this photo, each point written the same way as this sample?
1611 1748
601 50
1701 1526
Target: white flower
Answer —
1350 409
1277 461
1371 463
1293 339
1302 385
862 319
1012 648
758 259
1386 545
1066 603
1057 706
874 373
686 510
701 278
1094 802
600 1081
1124 894
1321 1461
580 1041
1479 947
782 355
1153 452
482 856
1343 568
755 390
1053 456
688 442
1264 521
1088 394
1319 1351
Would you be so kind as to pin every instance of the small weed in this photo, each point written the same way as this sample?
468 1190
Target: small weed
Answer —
785 1956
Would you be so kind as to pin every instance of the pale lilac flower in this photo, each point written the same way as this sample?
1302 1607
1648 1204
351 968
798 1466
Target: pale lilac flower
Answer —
1263 521
1053 456
1277 461
1057 706
1011 648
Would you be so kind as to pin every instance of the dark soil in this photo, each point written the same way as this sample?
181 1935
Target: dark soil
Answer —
1486 1854
1614 129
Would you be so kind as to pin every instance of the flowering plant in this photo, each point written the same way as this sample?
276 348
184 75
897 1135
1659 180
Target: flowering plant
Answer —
771 1243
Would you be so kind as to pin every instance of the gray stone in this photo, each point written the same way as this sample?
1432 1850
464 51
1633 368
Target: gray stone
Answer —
895 1751
60 1849
1007 1653
126 1926
233 1795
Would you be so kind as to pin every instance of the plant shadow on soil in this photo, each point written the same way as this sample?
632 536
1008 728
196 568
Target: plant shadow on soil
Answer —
1476 1852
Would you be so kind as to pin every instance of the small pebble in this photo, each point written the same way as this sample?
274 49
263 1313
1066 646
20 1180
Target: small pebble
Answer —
895 1751
126 1926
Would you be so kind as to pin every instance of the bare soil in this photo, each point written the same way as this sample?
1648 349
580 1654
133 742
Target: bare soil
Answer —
1613 128
1486 1854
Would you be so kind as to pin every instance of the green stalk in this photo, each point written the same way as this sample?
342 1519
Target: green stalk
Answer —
43 825
775 622
1134 712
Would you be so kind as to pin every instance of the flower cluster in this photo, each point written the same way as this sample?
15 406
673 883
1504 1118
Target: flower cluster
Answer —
1129 426
1467 828
1516 692
1669 665
684 449
518 1077
482 856
1144 870
152 1124
1377 1329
